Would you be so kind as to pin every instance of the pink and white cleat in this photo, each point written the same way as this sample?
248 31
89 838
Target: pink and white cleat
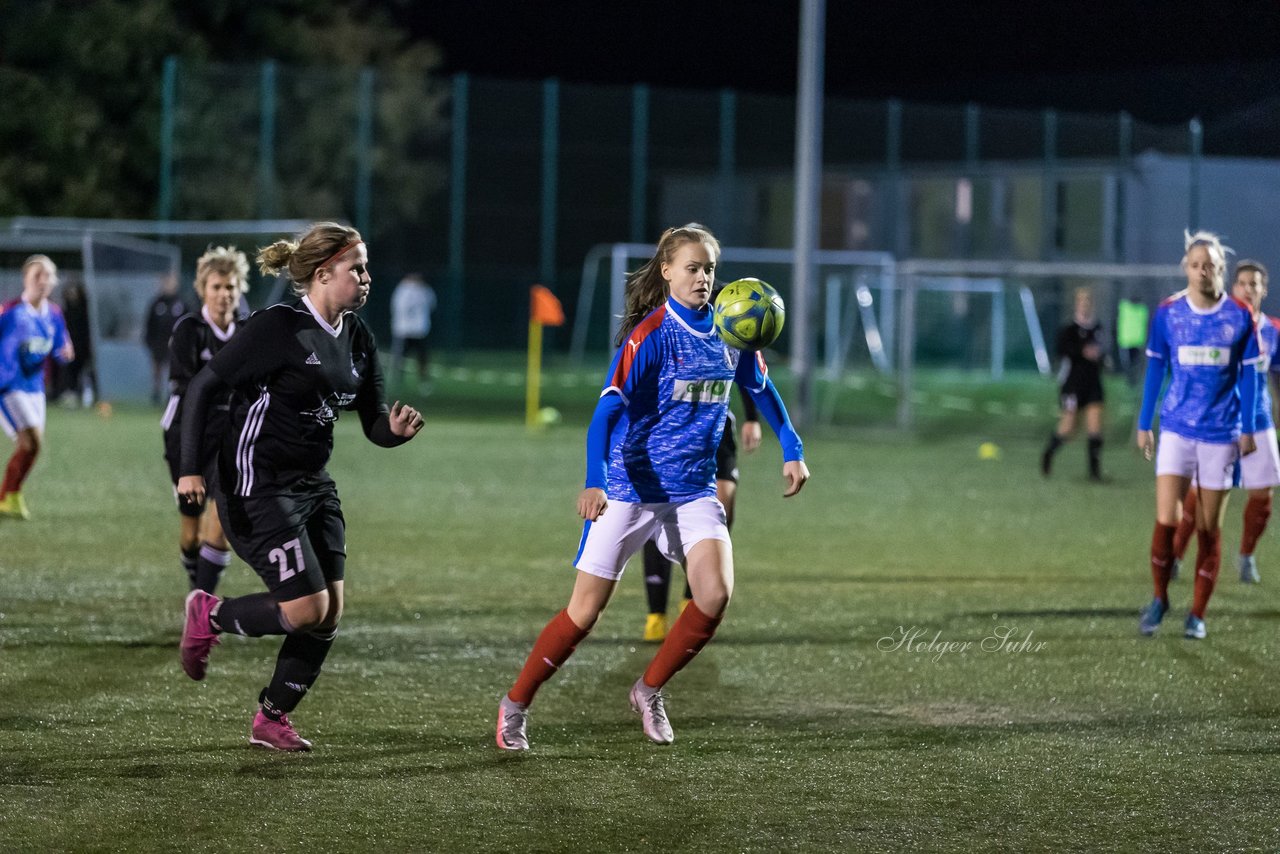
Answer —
647 702
513 719
198 636
276 735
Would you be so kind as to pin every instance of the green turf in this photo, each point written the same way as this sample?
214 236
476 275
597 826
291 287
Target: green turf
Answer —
796 730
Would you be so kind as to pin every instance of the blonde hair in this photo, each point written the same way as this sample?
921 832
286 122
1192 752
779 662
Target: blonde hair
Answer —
646 289
1217 253
301 259
222 259
32 260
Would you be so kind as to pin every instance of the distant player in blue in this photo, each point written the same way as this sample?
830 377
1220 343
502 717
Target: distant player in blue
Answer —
1207 342
651 469
31 331
1260 471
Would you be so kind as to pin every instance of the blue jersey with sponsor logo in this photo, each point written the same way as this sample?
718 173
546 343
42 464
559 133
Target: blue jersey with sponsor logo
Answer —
28 336
1204 351
1268 339
674 375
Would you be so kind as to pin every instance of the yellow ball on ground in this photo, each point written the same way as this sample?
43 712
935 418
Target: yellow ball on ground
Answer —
988 451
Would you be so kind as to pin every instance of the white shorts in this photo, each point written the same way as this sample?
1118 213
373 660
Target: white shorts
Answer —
1211 464
1261 469
624 528
21 410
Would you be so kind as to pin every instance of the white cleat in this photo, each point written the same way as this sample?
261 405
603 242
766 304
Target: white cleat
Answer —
513 718
647 702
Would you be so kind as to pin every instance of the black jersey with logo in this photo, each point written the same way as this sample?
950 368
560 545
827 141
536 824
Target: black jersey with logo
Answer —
195 341
290 374
1077 371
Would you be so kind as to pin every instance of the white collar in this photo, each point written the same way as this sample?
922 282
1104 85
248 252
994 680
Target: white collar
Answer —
335 331
1222 300
217 333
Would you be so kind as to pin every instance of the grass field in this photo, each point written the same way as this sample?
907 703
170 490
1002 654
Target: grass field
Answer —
800 728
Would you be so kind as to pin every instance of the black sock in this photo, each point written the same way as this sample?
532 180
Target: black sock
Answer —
210 565
657 578
1055 442
189 558
253 616
1095 457
297 668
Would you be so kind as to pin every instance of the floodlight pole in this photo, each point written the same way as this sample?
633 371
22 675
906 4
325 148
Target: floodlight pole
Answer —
808 177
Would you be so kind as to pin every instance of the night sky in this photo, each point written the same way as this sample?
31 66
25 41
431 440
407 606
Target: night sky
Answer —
1207 59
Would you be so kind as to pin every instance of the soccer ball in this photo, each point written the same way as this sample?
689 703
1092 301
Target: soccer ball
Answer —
748 314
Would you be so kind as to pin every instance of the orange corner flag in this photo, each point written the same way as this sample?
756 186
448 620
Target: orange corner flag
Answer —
544 308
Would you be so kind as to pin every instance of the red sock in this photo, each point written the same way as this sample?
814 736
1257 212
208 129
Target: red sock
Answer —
1208 560
686 639
552 649
16 472
1256 514
1186 525
1161 559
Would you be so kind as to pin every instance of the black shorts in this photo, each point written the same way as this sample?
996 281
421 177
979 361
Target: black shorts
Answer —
727 452
416 347
296 541
1076 396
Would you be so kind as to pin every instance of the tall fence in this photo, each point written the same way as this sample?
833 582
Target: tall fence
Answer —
487 186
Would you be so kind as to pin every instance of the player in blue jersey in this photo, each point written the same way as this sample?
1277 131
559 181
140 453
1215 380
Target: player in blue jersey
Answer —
1260 471
222 276
1206 341
31 331
651 466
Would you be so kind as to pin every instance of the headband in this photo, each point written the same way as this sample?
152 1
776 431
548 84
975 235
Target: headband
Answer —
335 256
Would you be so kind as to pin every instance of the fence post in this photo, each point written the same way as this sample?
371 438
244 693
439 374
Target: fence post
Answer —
1049 189
1196 133
550 176
168 103
457 208
364 151
1124 145
267 141
724 179
639 159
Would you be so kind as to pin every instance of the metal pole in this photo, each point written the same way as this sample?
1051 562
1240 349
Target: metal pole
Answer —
267 141
808 176
1196 132
457 209
1124 144
893 163
639 159
168 102
1049 193
724 178
550 175
906 351
364 151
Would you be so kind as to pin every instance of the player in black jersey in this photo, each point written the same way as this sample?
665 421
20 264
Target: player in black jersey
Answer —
291 369
222 276
657 569
1080 348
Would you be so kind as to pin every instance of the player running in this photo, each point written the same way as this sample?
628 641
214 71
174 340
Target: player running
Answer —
291 368
1080 349
222 276
31 331
1260 471
1207 342
651 473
